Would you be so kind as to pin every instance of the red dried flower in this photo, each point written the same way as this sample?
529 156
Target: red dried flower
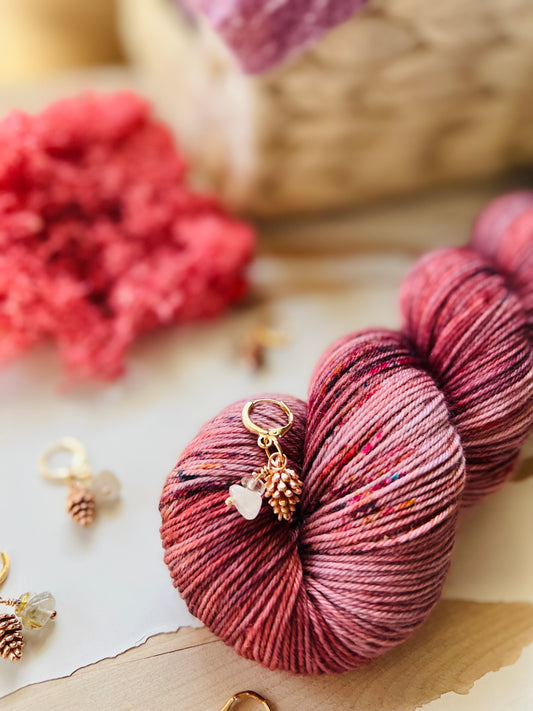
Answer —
100 238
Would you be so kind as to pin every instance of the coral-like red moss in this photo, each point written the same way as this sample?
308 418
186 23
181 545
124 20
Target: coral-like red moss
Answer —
101 239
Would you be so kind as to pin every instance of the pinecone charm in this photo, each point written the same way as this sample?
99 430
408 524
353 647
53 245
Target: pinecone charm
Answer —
283 487
11 639
81 505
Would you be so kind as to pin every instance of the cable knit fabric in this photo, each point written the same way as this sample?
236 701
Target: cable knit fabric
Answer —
262 33
401 431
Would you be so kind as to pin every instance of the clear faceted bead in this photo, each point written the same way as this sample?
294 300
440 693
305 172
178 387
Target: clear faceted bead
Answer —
106 488
253 484
246 501
37 610
21 603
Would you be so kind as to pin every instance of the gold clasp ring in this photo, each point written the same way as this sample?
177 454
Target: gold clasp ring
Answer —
246 694
273 432
79 467
4 558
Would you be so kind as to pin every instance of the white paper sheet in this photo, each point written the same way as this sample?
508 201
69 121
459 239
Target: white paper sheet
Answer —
111 586
491 561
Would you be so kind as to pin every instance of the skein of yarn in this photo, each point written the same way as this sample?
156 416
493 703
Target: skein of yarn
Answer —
401 430
262 34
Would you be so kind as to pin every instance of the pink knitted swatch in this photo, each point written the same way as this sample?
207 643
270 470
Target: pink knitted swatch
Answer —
101 239
400 431
262 33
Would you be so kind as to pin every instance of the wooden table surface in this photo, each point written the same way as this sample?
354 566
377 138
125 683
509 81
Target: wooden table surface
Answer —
193 670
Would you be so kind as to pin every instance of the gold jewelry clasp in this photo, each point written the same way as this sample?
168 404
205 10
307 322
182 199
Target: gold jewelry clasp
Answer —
261 431
280 484
4 559
245 695
268 438
79 468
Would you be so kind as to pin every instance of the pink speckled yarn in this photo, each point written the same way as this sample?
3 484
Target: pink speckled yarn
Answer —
400 431
262 33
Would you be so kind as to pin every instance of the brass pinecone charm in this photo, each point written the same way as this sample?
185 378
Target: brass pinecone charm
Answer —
283 487
80 505
11 638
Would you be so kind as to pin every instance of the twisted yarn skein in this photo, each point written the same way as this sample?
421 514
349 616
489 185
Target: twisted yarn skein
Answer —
401 430
261 34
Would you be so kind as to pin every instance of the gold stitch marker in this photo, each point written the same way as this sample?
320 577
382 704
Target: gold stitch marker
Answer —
280 484
34 611
4 572
245 695
87 491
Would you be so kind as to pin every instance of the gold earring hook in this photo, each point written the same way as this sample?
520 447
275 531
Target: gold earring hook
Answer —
4 559
256 429
248 695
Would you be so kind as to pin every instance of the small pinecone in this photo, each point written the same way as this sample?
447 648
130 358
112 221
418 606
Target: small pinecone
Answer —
282 488
80 505
11 638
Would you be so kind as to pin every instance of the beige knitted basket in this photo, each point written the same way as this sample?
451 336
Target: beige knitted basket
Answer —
408 93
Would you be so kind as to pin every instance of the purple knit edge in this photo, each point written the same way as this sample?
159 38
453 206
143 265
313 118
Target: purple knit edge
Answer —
263 33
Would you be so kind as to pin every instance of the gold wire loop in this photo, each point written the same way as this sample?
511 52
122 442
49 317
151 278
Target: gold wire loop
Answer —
4 572
79 467
245 695
276 458
274 432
